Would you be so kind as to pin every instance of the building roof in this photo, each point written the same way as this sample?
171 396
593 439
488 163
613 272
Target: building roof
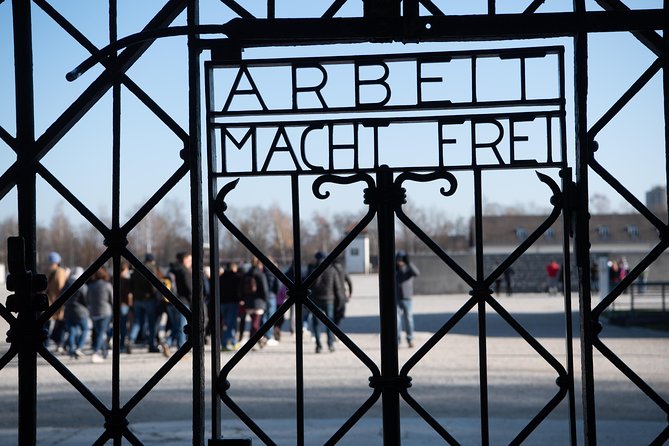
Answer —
608 229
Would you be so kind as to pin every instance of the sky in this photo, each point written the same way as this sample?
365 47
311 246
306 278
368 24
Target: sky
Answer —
631 147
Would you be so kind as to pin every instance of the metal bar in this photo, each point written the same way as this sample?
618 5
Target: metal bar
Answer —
296 31
645 262
432 8
388 308
381 9
27 213
129 83
632 376
97 88
7 138
72 199
333 9
237 9
532 7
8 356
177 176
156 378
582 237
116 205
481 305
611 113
194 161
649 37
74 381
566 261
665 94
299 335
214 262
410 8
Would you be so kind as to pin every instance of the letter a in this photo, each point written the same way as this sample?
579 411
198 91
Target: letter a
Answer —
236 90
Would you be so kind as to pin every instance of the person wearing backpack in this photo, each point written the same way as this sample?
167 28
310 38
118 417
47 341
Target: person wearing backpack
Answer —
254 295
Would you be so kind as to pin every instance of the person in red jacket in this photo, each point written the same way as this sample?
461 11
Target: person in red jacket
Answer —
553 271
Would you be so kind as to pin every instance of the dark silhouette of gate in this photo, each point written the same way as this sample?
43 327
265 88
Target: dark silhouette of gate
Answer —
222 45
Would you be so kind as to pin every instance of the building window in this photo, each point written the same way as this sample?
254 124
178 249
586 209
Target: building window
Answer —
354 251
603 231
632 231
521 233
550 234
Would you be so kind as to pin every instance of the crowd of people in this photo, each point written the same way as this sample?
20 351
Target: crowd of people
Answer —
255 293
89 309
249 295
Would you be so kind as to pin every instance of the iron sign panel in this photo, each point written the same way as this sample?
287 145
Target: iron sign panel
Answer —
344 114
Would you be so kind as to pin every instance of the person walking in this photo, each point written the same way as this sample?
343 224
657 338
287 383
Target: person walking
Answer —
99 299
230 295
76 316
183 279
404 274
553 272
126 303
347 287
254 295
56 279
145 306
326 290
272 291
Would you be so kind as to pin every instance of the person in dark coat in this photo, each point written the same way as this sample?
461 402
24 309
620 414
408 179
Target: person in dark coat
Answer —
326 290
76 316
230 296
404 274
183 280
347 286
254 295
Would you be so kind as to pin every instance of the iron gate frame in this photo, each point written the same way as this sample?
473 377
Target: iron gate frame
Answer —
382 21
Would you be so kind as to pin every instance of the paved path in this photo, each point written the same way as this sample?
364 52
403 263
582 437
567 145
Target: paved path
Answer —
445 382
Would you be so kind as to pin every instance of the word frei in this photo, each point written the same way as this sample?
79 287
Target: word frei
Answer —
435 109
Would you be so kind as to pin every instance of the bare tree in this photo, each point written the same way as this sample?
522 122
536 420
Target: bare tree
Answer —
600 204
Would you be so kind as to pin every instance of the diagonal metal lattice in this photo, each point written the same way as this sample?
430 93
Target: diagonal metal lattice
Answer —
379 21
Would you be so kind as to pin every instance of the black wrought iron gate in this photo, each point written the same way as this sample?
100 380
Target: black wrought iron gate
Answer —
221 45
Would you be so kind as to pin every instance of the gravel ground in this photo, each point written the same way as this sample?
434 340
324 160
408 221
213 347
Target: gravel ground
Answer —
445 382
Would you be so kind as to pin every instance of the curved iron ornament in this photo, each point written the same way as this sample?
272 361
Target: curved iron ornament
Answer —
481 291
297 294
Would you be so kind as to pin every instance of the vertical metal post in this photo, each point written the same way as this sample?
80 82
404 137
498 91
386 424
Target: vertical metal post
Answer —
193 158
299 309
665 91
26 189
214 263
116 210
582 236
482 321
388 307
566 286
